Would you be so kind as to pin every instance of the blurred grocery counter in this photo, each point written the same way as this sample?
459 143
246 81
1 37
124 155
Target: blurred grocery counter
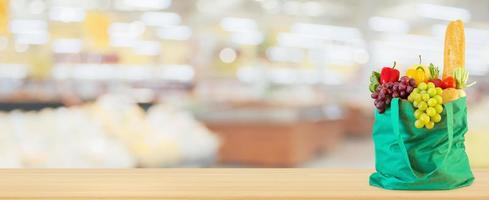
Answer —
268 135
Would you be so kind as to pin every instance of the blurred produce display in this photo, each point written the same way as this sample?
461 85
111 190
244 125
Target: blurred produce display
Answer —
111 132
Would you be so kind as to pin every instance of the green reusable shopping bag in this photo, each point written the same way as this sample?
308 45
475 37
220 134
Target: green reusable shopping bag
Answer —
408 158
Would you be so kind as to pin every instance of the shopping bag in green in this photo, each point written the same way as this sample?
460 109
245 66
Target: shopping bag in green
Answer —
408 158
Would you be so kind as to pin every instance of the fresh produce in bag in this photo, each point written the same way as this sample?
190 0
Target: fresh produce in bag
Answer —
420 123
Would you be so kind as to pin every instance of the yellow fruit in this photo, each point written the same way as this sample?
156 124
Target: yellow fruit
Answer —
422 86
436 118
431 111
430 125
450 94
439 109
439 91
439 99
461 93
417 114
418 72
424 118
425 97
422 106
418 124
432 102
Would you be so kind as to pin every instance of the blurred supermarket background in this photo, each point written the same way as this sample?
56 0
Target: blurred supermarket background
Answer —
216 83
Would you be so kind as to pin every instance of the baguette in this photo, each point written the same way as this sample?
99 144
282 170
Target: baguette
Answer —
454 55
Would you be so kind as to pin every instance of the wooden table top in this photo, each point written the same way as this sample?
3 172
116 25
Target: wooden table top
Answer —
212 184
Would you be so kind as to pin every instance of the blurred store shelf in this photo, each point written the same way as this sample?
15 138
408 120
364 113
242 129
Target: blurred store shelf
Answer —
280 82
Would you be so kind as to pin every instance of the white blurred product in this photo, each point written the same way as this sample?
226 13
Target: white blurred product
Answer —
113 132
59 138
194 141
9 151
123 119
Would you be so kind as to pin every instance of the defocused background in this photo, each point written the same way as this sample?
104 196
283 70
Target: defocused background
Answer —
221 83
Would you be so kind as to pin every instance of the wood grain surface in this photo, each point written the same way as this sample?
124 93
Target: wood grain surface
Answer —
212 184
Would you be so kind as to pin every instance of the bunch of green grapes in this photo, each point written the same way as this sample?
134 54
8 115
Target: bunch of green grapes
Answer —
427 100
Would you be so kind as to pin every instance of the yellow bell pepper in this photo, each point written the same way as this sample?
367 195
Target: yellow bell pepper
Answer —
417 73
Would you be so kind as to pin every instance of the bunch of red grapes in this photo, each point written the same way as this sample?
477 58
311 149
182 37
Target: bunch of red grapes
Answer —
385 92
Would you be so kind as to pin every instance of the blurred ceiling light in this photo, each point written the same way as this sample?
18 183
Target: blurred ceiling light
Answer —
160 19
89 72
277 75
442 12
385 24
27 25
126 30
400 11
182 73
299 40
67 45
235 24
227 55
147 48
217 7
327 31
175 33
37 7
284 54
283 76
133 73
141 5
67 14
36 38
122 42
247 38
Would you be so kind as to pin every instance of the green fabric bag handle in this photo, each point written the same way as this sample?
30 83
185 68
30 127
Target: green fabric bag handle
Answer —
402 146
